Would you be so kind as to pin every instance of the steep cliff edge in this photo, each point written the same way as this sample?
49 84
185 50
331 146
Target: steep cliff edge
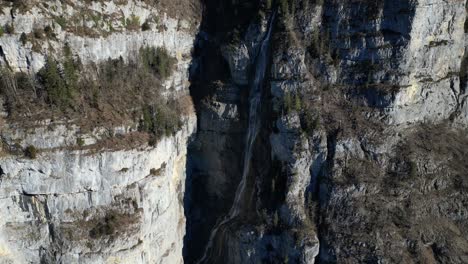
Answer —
100 180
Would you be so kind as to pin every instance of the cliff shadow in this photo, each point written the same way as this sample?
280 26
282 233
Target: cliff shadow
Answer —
214 161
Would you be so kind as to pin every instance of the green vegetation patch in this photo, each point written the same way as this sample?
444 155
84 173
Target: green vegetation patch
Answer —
133 22
31 152
158 61
113 91
160 120
60 82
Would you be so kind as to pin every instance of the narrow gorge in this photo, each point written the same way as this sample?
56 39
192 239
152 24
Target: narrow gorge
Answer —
233 131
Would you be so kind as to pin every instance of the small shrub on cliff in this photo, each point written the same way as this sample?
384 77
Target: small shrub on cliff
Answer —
106 227
167 119
61 21
8 89
114 222
297 102
2 31
23 38
80 142
133 22
38 33
30 152
49 32
154 172
153 140
9 28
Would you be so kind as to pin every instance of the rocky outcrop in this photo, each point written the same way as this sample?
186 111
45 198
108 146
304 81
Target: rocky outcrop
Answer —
75 192
378 88
94 206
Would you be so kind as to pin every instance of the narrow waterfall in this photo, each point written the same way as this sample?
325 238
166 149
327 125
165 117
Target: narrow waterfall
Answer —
255 95
254 114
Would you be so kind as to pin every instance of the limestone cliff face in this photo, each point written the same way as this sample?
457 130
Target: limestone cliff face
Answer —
94 206
384 85
97 32
363 121
98 194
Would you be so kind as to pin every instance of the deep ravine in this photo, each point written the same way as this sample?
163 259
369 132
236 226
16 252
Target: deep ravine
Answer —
255 105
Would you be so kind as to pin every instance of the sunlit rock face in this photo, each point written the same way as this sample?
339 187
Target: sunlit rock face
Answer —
95 206
99 194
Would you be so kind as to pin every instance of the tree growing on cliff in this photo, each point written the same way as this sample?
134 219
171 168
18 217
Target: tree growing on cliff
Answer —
284 7
23 38
70 68
158 60
297 102
58 93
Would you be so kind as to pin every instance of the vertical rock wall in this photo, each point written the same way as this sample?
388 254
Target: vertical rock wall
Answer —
113 198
